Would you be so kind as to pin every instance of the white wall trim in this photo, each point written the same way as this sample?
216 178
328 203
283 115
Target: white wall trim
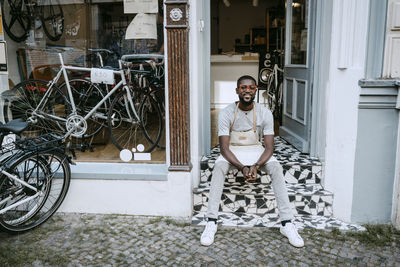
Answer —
119 171
159 198
342 97
396 184
346 10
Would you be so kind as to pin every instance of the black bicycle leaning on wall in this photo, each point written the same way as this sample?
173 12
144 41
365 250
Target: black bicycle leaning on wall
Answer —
34 177
20 15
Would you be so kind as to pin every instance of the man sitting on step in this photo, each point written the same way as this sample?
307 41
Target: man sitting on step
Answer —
238 127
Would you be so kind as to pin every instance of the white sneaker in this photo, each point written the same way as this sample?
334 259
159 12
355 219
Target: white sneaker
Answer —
290 231
207 238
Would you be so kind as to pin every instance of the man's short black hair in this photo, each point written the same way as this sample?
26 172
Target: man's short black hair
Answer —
245 77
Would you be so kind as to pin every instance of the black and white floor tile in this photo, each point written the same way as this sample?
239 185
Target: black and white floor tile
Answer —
297 167
253 204
293 174
263 188
309 202
272 220
283 151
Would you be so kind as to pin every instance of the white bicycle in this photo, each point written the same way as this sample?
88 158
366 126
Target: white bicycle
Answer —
273 95
81 109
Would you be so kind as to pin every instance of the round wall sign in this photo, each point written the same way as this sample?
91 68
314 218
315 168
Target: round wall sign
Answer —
175 14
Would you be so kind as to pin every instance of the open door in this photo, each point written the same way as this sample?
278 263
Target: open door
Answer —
296 119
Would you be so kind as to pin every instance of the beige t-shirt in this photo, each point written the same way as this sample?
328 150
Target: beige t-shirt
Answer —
244 120
247 155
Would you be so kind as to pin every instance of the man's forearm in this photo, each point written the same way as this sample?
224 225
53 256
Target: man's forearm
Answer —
265 156
231 158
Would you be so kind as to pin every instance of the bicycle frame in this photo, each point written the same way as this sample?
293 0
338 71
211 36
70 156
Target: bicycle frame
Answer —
15 178
275 73
3 170
63 71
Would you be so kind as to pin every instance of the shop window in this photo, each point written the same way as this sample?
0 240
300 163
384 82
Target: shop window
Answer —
90 35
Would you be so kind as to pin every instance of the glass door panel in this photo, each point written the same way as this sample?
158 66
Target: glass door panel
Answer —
298 35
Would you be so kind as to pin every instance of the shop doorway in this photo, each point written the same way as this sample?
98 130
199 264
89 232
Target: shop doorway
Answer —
296 109
260 38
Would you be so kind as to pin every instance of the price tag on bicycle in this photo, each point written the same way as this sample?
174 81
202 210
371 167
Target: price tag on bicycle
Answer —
102 76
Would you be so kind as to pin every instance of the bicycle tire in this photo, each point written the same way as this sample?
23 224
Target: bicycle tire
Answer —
152 120
123 127
52 18
54 180
158 94
20 14
87 95
26 97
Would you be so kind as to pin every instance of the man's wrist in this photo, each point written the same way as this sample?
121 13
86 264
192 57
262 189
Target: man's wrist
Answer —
256 165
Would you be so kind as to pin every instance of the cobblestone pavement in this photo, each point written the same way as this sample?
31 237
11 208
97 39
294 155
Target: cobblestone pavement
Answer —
116 240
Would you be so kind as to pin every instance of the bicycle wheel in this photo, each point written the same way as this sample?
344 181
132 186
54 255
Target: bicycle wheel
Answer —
158 94
16 19
50 174
125 130
152 121
52 18
25 97
86 96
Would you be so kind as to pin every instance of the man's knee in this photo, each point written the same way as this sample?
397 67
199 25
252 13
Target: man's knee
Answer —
221 166
274 168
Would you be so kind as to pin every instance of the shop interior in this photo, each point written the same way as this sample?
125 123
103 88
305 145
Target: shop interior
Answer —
81 27
247 37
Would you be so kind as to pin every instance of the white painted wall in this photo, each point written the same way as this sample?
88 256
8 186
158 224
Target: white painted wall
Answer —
347 64
391 66
225 70
160 198
199 65
392 69
396 184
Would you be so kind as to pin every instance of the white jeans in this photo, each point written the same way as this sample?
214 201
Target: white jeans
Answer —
273 168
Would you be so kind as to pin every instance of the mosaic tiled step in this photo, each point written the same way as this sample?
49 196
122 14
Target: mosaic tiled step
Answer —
272 220
307 199
293 174
297 167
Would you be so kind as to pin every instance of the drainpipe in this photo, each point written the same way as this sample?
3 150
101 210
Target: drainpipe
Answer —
396 192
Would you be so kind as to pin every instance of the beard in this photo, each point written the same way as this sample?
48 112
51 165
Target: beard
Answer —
246 103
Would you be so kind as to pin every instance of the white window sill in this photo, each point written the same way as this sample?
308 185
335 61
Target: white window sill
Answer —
119 171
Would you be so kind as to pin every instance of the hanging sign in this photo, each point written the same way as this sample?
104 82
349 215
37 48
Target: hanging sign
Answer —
102 76
140 6
143 26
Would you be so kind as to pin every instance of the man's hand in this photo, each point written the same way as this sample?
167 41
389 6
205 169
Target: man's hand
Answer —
252 174
246 171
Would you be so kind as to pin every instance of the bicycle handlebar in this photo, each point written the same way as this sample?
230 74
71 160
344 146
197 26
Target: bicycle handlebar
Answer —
96 50
141 56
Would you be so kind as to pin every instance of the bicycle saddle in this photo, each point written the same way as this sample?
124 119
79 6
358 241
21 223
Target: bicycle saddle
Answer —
16 126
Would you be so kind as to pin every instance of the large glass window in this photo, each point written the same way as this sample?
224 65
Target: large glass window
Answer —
89 35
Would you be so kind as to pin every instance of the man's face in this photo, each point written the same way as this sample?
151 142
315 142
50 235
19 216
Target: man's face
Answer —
246 92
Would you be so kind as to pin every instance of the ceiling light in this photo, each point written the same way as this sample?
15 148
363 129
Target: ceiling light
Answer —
255 2
227 3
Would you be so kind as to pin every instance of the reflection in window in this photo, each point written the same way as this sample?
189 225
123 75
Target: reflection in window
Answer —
298 44
91 34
